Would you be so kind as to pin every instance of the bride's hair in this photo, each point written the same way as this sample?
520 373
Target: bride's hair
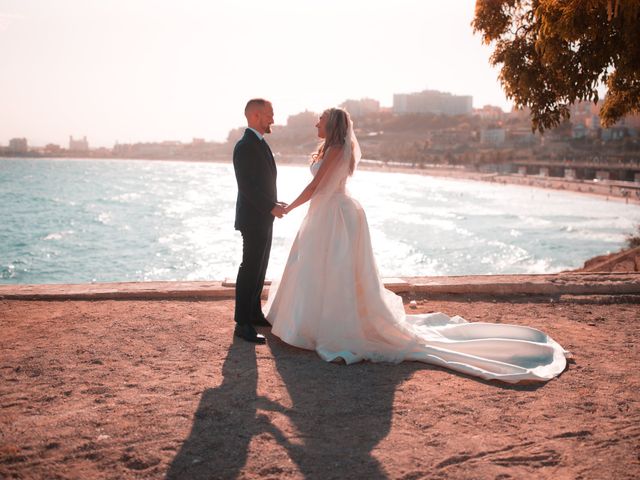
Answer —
337 129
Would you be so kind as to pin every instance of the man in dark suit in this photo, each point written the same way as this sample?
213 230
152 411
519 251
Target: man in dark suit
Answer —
256 207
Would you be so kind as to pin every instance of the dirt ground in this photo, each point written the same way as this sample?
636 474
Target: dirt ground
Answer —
160 389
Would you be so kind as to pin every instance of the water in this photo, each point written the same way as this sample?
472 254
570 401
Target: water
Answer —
77 221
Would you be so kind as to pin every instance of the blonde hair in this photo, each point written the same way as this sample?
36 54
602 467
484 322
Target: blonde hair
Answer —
336 134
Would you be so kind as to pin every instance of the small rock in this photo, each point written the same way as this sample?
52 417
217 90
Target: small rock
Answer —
413 304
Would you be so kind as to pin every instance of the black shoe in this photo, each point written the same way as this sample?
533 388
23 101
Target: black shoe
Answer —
260 322
248 333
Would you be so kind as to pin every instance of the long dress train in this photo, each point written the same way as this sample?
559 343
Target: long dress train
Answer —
331 299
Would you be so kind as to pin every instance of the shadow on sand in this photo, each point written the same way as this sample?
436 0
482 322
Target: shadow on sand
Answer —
224 423
338 419
337 415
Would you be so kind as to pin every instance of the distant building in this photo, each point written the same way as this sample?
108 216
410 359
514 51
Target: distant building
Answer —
102 152
492 136
585 120
519 114
581 112
521 136
52 148
165 149
78 145
632 121
632 124
489 112
449 137
358 108
579 131
588 114
303 120
592 122
18 145
613 133
432 101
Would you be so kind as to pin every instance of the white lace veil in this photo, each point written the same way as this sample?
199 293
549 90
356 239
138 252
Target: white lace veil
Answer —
318 229
335 179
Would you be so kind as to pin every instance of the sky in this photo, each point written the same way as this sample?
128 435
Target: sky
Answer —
152 70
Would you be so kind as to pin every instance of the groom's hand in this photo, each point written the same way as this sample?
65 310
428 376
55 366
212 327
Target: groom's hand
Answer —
278 210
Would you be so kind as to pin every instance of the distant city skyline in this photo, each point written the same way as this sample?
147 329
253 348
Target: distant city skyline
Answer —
143 71
425 102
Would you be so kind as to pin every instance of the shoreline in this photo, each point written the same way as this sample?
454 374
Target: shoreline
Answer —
582 283
627 192
583 187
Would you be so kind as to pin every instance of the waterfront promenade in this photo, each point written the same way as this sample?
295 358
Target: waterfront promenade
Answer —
147 381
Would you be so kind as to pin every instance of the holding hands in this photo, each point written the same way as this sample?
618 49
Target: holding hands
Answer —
279 210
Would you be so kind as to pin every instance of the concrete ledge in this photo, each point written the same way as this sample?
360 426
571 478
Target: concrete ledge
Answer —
499 285
118 291
505 285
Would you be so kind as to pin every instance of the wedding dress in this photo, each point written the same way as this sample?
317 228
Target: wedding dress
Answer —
331 299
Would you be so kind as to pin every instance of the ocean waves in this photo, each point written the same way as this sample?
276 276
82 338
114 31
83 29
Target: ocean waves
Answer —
76 221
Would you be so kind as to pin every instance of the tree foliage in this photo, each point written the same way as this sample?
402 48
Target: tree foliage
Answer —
553 53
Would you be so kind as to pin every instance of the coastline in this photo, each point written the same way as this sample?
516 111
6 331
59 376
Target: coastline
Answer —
301 172
554 285
609 190
627 192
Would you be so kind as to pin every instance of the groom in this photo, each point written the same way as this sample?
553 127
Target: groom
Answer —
256 207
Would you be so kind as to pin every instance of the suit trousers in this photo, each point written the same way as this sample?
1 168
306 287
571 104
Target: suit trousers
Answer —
256 247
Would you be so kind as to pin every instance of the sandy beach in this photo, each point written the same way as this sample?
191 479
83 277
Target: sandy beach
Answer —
615 191
118 389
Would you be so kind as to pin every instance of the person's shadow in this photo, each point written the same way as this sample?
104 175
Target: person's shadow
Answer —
339 413
224 423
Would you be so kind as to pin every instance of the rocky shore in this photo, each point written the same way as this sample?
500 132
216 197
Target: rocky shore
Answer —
626 260
124 381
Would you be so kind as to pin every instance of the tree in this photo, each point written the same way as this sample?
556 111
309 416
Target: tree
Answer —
553 53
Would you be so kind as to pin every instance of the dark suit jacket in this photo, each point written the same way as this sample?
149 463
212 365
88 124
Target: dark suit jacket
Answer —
256 176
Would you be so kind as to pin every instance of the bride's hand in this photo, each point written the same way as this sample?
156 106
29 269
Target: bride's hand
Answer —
285 207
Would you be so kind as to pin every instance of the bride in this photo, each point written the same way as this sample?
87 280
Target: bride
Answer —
331 298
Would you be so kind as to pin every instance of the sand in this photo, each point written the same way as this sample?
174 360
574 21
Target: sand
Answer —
627 192
160 389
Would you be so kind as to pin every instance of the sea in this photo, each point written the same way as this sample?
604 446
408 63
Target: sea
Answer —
88 220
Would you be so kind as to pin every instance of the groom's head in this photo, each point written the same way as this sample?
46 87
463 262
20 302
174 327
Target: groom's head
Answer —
259 113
